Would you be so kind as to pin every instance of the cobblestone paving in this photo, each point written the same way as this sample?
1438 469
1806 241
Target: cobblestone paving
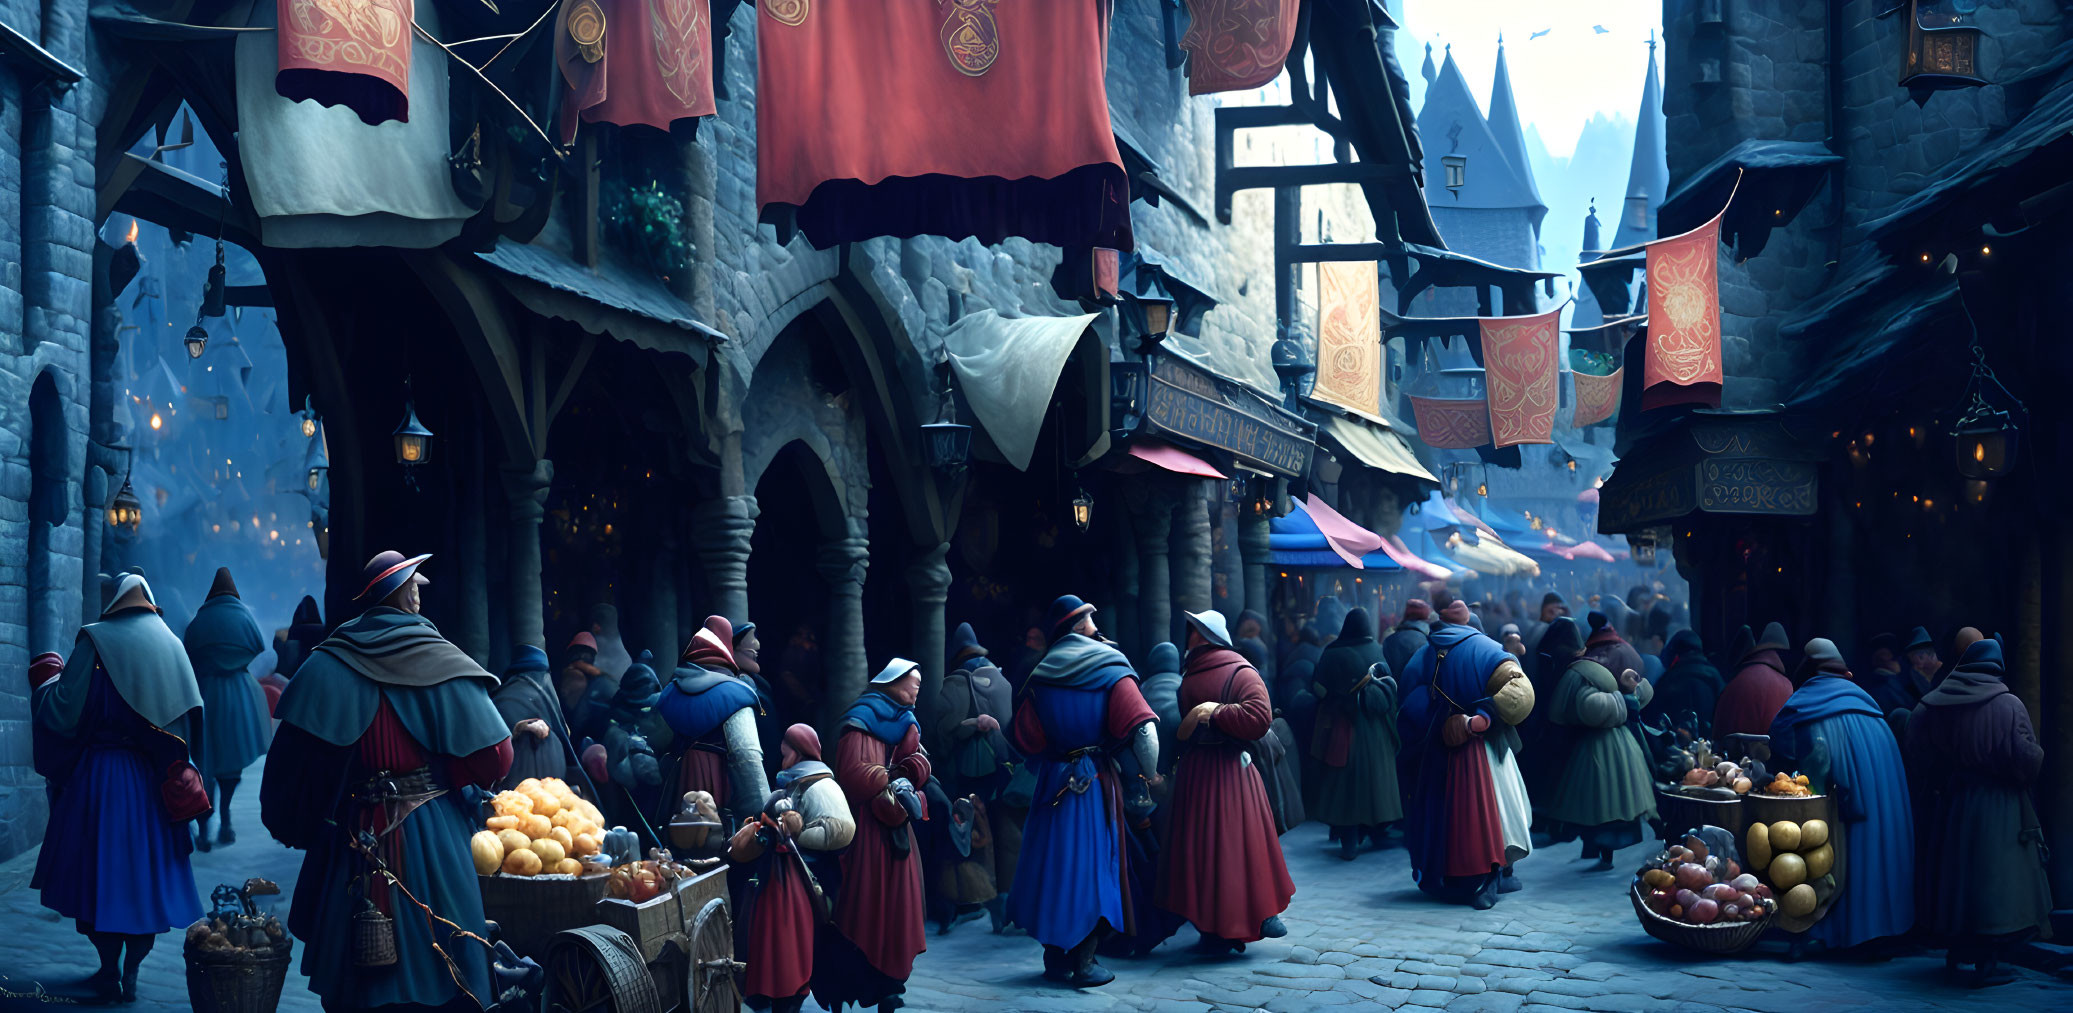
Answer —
1360 937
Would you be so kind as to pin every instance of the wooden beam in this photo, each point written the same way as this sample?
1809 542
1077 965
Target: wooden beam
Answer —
163 195
573 373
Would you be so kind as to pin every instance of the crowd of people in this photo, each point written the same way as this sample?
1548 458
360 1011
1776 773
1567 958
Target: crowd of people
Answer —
1076 797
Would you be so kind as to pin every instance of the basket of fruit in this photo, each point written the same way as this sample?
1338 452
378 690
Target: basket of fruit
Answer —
539 861
237 957
1705 790
1794 842
1695 895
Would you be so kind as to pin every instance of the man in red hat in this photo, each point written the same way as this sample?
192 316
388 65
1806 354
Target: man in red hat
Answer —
712 711
378 728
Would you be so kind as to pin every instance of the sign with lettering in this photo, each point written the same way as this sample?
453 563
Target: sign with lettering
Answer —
1757 486
1177 399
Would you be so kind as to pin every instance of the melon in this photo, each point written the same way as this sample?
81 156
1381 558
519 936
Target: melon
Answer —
1798 901
1785 836
1819 861
1813 833
1759 841
1788 871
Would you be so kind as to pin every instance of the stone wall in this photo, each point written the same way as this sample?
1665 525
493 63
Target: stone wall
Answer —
46 267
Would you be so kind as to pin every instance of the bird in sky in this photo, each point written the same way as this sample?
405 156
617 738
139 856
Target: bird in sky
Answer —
1600 30
1538 34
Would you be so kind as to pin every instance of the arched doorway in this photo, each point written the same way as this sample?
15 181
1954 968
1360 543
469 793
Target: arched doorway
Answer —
788 595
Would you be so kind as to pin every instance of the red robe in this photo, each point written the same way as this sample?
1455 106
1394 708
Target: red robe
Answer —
881 905
1753 697
1223 868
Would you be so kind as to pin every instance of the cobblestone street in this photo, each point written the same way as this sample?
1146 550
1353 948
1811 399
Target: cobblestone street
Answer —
1360 936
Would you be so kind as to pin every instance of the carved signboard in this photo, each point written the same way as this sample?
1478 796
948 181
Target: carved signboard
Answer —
1757 486
1177 399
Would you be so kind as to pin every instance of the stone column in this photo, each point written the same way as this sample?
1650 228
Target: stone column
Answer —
1257 558
720 533
471 633
928 588
1193 563
845 668
659 618
526 489
1152 517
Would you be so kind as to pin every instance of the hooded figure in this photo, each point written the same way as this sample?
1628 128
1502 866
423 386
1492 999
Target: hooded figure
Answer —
1223 869
1832 731
612 656
877 931
1689 689
578 670
305 631
1461 787
788 849
712 714
634 737
1162 692
1079 708
972 713
1605 646
1356 740
221 642
1973 761
1552 607
530 708
380 730
1605 791
1758 690
112 727
1561 644
1408 636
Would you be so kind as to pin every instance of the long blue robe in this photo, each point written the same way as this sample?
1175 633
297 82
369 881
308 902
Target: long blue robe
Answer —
221 643
1434 690
1833 731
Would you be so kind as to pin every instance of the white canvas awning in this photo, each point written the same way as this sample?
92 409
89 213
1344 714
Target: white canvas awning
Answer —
1008 367
1378 447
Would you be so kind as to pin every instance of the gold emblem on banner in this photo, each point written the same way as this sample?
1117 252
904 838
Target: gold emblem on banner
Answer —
679 30
586 27
971 37
787 12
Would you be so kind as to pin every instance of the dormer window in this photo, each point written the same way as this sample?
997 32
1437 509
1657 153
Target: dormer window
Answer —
1457 170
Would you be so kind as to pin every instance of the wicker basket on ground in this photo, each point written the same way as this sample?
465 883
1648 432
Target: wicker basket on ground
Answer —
1721 937
237 981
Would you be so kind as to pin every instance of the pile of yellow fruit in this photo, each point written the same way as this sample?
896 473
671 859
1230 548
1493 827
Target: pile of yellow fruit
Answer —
1794 857
540 828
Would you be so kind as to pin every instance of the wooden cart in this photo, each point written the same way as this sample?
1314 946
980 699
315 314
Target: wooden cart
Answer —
671 954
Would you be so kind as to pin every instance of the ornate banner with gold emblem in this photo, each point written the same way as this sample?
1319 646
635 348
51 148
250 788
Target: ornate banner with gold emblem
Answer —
1597 397
1237 45
956 118
1349 336
1521 366
645 63
352 53
1446 423
1682 364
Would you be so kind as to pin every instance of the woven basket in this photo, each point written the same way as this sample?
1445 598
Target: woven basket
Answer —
1732 937
237 981
531 909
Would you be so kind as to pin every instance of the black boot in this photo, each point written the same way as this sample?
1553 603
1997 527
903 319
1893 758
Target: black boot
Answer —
1086 973
1349 844
135 949
1604 860
1057 964
997 913
1508 883
1272 928
225 835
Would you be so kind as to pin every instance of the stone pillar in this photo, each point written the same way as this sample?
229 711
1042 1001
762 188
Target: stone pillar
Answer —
720 533
1257 559
928 588
1193 563
471 632
526 490
1152 516
845 668
659 616
1123 612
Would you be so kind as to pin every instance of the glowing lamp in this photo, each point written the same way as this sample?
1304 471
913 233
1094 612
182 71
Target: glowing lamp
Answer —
413 440
1986 444
1083 509
196 341
125 511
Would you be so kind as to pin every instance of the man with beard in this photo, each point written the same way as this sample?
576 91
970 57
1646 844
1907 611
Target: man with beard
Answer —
221 642
868 950
1080 706
712 713
1462 791
1224 870
1833 732
972 712
379 729
578 669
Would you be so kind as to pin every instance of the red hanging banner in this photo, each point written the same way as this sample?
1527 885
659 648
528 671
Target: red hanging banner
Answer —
1452 423
352 53
1521 366
1682 362
1597 397
647 63
1237 45
956 118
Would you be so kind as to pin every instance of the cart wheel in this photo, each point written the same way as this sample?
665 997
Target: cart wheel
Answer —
597 969
713 986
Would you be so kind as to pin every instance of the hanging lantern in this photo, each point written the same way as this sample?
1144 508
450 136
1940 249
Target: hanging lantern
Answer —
1483 489
949 446
1083 509
125 511
309 419
317 461
1986 444
1943 56
197 339
413 440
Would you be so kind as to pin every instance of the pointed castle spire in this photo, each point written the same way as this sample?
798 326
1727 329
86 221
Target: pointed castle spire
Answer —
1648 177
1585 312
1510 133
1427 72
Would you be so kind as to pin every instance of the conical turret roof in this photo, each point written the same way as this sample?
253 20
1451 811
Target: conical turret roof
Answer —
1510 133
1451 123
1648 177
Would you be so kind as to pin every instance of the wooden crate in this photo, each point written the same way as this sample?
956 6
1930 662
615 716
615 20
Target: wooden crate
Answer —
531 909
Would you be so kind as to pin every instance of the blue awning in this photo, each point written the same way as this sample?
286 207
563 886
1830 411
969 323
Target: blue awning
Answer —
1295 540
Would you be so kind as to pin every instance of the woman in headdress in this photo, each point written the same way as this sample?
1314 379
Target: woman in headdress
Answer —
113 724
788 852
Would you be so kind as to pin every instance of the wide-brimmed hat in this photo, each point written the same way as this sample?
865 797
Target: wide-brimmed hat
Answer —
893 670
1211 625
1065 611
1920 640
386 572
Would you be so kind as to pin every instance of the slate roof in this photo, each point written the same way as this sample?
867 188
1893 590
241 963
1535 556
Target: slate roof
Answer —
1451 123
1649 173
1510 133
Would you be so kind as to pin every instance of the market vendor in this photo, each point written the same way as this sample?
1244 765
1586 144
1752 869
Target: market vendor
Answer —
712 712
786 856
1833 732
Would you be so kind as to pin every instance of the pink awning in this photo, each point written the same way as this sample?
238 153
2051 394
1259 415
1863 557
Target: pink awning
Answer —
1349 540
1586 549
1411 561
1172 458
